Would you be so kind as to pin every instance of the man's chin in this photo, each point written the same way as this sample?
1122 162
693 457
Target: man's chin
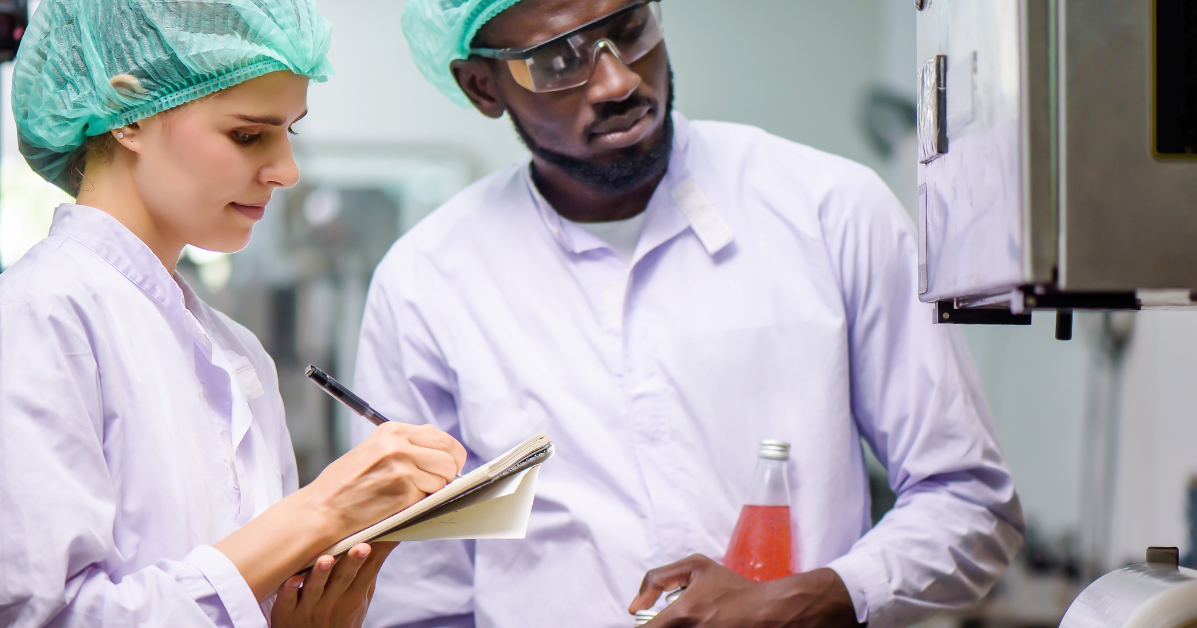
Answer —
617 171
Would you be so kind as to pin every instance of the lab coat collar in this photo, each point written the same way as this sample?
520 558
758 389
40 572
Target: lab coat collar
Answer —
107 237
678 203
112 241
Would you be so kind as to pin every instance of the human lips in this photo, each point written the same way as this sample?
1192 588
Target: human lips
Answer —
625 129
253 211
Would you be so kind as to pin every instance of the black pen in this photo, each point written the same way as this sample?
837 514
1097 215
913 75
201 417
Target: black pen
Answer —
345 396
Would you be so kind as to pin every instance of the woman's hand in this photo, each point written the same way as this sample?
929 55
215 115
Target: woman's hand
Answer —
395 467
333 595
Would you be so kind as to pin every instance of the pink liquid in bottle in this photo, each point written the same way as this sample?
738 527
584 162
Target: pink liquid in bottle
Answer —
761 547
762 544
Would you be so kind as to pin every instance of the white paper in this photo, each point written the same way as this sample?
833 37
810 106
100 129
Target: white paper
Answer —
499 511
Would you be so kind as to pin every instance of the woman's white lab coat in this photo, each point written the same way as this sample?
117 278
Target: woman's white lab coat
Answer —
138 427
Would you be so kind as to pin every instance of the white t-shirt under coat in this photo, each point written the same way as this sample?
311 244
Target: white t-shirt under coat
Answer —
621 235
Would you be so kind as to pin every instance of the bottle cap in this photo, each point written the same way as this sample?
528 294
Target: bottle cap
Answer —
645 616
774 450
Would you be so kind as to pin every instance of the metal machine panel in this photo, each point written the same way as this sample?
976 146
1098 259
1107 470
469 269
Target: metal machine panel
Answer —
1057 153
1128 208
1039 73
972 184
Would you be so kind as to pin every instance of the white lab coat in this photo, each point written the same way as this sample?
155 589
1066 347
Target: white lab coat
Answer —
137 428
772 295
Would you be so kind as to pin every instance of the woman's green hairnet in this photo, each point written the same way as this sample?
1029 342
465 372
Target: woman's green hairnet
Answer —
439 32
86 67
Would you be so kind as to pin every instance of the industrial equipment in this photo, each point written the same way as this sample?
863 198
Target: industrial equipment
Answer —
14 17
1057 170
1057 157
1155 594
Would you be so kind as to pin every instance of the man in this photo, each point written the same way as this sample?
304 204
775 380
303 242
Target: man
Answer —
659 296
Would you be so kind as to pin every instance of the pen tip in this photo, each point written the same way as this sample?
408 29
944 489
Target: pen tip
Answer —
311 369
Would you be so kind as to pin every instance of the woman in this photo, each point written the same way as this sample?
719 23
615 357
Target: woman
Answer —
146 471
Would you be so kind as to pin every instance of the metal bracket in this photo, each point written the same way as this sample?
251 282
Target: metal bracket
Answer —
933 109
947 313
1036 298
1165 557
1063 324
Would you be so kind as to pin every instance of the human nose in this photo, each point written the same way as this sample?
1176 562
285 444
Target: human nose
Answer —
281 171
612 80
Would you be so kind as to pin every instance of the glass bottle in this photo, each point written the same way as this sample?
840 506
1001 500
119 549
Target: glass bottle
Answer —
762 545
645 616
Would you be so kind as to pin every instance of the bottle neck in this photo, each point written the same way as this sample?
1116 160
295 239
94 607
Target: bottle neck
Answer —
770 484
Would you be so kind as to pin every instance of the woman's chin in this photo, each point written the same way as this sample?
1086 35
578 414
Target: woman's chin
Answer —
229 243
237 246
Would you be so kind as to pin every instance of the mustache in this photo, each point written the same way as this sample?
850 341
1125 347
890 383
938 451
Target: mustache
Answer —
609 110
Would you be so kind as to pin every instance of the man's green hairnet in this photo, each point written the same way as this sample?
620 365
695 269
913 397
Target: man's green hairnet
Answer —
86 67
439 32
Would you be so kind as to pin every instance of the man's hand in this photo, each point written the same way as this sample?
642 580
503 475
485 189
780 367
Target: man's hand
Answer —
335 593
717 597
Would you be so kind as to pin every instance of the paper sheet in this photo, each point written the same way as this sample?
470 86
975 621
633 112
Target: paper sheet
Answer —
499 511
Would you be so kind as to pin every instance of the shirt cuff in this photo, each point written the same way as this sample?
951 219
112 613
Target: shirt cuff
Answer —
868 586
232 589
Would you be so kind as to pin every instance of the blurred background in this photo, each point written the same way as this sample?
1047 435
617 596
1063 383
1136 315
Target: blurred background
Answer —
1101 431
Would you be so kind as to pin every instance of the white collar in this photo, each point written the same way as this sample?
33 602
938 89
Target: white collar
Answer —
678 203
107 237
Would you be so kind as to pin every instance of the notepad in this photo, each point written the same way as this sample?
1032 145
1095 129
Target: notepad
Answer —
493 501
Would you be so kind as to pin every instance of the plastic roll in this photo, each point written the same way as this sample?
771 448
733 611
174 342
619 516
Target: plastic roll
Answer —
1138 596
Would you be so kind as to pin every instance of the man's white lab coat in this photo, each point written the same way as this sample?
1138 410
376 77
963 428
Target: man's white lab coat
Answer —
772 295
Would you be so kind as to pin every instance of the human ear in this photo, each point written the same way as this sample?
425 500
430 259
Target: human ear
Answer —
129 136
477 79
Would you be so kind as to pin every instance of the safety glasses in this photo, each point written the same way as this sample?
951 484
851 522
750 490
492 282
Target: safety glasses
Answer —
568 60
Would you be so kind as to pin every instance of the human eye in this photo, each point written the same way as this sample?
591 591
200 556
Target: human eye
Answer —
291 130
241 137
630 24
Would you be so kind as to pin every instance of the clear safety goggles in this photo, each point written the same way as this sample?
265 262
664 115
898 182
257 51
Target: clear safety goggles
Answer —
568 60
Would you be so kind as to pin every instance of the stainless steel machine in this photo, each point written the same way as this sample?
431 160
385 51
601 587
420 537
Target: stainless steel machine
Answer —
1057 157
1057 170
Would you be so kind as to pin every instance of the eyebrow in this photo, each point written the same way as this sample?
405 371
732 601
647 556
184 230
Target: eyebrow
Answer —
267 120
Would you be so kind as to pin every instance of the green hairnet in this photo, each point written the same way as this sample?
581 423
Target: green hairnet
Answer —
440 31
88 66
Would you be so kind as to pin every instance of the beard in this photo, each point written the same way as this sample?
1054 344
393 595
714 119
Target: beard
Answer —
628 168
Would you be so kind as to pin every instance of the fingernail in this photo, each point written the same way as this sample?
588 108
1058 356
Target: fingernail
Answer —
325 565
294 583
361 553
